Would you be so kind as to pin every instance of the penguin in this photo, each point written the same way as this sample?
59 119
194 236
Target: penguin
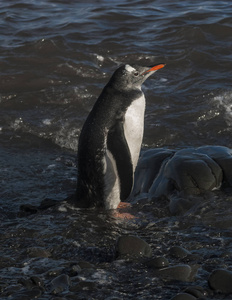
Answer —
110 140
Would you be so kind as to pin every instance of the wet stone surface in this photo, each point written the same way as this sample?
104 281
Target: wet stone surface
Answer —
78 262
60 284
178 252
132 246
158 262
184 296
221 281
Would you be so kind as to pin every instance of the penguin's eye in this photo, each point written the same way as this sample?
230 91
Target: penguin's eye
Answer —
136 74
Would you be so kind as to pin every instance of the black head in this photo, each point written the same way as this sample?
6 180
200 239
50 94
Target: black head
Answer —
132 76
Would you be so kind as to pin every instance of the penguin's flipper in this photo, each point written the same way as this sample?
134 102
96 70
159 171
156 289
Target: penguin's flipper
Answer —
117 145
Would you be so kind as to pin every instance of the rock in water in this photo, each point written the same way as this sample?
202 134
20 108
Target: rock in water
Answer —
132 246
178 174
178 252
220 280
183 296
180 272
60 284
158 262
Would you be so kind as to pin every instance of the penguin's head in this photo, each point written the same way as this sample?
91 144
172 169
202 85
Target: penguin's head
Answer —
129 77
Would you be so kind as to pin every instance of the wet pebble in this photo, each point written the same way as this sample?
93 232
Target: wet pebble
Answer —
55 272
6 261
226 254
132 246
178 252
184 296
10 290
73 270
38 252
83 285
179 272
37 281
196 291
86 273
26 282
85 265
29 294
33 281
158 262
220 280
60 284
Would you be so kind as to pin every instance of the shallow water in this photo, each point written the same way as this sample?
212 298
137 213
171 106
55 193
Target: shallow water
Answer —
55 57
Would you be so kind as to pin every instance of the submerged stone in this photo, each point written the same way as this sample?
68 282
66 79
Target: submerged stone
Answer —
38 252
179 272
34 293
132 246
32 282
178 252
184 296
178 174
196 291
158 262
60 284
85 265
220 280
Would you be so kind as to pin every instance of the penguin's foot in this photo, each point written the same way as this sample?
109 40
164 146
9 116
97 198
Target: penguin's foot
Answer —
123 211
126 216
123 205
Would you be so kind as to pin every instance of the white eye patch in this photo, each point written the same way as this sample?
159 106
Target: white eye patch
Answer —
129 68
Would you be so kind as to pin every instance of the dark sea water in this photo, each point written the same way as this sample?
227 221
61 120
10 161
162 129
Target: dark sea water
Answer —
55 58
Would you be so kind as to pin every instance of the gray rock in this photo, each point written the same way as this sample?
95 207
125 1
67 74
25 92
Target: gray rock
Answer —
179 272
38 252
148 167
30 283
180 173
184 296
220 280
55 272
187 170
34 293
37 281
85 265
158 262
60 284
7 261
178 252
74 270
196 291
132 246
83 285
223 157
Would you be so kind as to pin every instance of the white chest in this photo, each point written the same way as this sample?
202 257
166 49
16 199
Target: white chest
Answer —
133 131
134 127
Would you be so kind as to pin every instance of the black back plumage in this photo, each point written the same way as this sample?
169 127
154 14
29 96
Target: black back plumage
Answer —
104 127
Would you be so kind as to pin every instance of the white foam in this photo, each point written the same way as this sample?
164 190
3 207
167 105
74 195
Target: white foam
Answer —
62 208
47 121
225 101
100 58
102 277
17 124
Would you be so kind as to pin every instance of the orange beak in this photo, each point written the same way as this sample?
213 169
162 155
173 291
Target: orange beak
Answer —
155 68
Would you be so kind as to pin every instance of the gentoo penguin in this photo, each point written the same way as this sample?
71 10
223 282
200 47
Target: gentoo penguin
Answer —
110 140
